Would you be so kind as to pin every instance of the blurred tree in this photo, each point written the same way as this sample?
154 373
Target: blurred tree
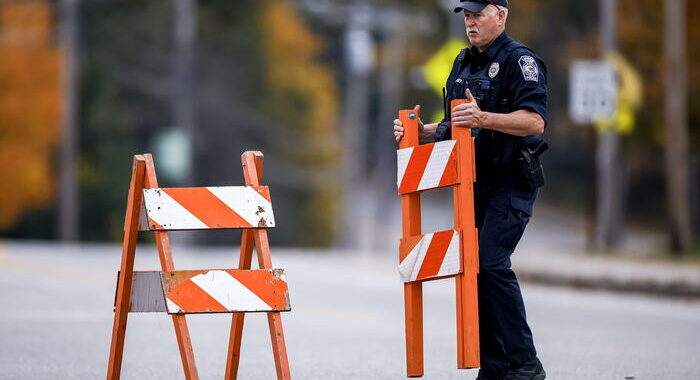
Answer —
29 107
124 101
639 39
642 40
301 95
245 62
266 81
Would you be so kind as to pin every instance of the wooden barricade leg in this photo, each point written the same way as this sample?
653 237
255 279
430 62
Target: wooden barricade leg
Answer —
468 350
413 310
131 227
244 262
252 172
166 261
413 291
236 334
274 319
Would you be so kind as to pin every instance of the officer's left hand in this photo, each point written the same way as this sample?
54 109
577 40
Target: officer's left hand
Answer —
467 115
398 126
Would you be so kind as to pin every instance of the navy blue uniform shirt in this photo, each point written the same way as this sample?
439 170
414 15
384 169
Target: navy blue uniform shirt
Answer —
504 78
517 78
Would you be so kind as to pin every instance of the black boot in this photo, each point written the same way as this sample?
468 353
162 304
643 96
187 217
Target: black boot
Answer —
483 375
531 370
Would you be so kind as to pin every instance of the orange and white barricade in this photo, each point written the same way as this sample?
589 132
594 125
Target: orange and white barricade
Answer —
438 255
150 208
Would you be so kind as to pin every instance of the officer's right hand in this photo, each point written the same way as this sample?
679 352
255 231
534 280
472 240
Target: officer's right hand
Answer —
468 115
398 127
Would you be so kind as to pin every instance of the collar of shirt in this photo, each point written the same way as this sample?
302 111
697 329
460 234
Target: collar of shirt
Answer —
492 50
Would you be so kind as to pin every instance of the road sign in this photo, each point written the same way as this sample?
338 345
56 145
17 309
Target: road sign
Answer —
592 91
437 68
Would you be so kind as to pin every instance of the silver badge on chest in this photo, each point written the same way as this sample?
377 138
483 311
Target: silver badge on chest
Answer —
493 70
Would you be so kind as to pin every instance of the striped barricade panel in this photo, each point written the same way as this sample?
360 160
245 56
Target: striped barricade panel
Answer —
210 291
225 291
430 256
427 166
200 208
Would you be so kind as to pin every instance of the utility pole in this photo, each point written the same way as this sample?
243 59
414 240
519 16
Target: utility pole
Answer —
677 196
183 78
182 101
609 178
456 29
359 57
390 85
365 207
68 196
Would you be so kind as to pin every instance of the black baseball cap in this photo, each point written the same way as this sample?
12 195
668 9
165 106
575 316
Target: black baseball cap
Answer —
478 5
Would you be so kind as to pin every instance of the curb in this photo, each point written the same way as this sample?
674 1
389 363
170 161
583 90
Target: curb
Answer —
612 274
643 287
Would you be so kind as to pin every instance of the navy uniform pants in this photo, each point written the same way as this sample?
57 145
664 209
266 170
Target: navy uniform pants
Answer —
502 212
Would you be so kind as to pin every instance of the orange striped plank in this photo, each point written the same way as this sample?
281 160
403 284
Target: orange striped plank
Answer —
415 169
193 208
206 207
225 290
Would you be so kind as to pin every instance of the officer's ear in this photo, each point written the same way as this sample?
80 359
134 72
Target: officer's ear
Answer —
502 16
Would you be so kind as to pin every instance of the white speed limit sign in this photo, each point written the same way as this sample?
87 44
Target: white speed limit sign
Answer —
592 91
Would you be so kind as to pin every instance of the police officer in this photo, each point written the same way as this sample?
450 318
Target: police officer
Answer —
506 83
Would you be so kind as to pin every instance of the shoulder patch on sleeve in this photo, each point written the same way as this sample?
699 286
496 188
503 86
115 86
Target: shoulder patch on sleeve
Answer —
528 66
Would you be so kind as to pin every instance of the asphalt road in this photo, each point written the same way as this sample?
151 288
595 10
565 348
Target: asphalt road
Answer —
346 322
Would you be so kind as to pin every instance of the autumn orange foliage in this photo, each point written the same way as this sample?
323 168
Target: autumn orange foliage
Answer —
301 93
29 106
